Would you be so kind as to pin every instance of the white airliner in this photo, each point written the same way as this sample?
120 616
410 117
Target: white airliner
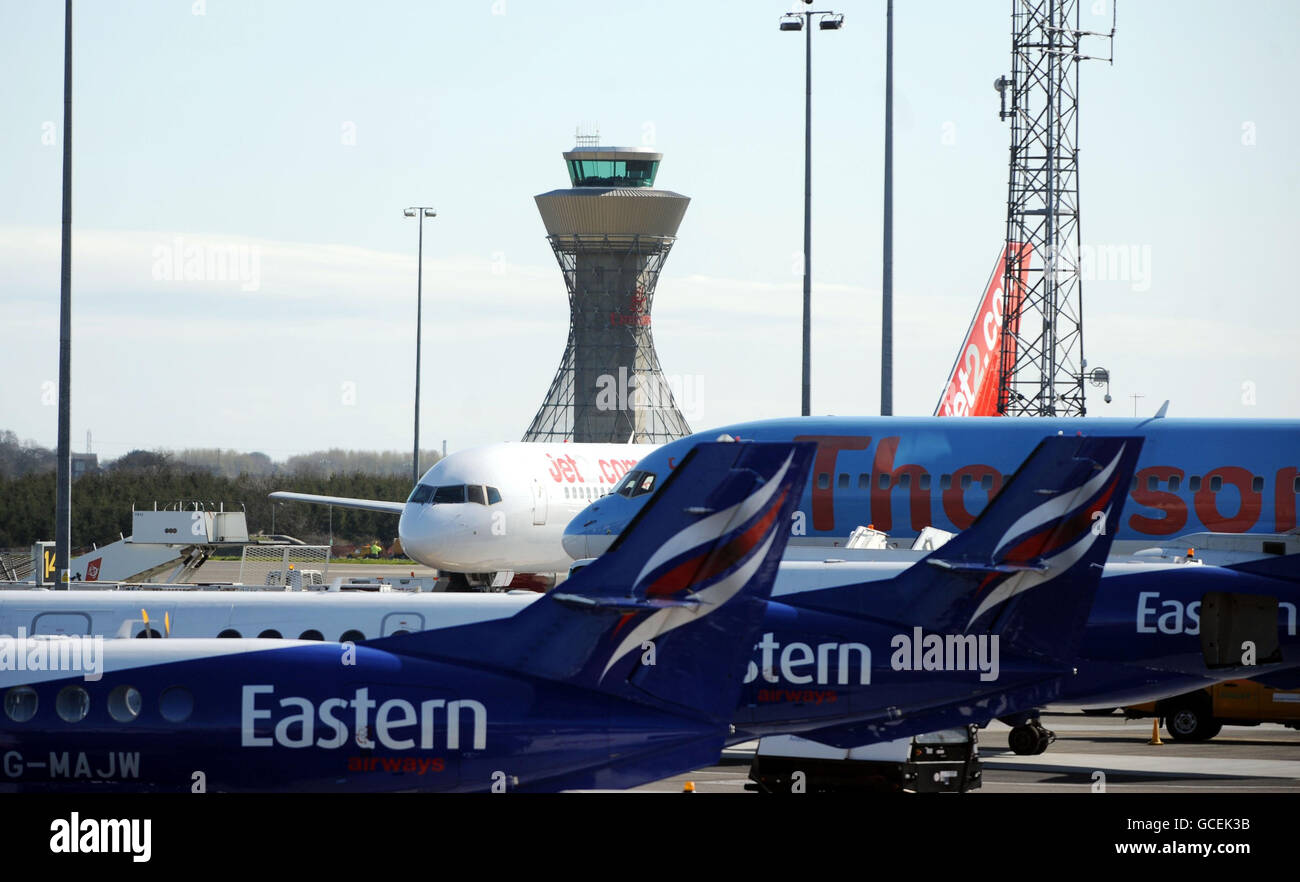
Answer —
502 508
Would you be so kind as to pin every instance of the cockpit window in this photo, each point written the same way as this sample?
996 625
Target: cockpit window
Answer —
427 494
637 483
629 480
449 494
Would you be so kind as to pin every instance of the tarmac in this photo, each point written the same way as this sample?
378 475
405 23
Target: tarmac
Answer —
1241 759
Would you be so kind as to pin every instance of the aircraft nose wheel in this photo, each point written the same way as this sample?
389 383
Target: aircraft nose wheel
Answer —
1030 739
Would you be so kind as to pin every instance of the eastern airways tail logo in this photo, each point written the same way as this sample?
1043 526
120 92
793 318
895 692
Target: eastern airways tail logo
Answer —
710 561
1055 536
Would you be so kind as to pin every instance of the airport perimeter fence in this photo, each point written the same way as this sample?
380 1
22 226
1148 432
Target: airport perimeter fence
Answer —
16 564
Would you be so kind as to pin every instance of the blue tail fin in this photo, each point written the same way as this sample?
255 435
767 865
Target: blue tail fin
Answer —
669 615
1029 566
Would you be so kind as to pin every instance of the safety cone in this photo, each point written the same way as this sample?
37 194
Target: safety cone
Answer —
1155 732
688 787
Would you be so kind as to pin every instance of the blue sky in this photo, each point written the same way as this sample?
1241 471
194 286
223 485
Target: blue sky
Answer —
297 132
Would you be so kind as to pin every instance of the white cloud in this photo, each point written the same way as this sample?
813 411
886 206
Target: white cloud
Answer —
200 363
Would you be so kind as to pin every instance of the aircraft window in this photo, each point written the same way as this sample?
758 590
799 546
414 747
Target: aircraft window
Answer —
421 494
1174 482
269 633
311 634
493 496
1152 482
823 481
1194 483
124 703
844 479
965 482
1216 483
450 494
1295 485
987 482
945 481
1257 484
476 494
625 488
229 632
566 493
884 481
20 703
72 704
645 482
925 480
176 704
636 483
353 636
905 480
864 481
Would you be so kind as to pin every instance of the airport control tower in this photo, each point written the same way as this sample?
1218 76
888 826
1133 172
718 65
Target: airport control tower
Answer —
611 232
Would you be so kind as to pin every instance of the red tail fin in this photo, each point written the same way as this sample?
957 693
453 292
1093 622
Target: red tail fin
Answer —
972 388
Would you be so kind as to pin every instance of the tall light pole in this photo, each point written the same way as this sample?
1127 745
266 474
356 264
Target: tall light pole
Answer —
63 481
421 211
802 21
887 280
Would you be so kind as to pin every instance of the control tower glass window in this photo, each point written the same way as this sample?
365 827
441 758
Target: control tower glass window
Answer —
613 172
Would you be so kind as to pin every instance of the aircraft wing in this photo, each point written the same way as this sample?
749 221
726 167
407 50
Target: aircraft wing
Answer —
341 501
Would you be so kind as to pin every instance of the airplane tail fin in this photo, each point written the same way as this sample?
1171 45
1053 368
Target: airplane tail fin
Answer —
668 616
1028 568
972 387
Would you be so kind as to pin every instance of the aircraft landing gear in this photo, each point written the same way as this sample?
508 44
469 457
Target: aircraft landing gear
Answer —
1030 739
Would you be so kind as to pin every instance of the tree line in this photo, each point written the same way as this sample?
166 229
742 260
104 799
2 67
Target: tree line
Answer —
102 504
19 458
102 501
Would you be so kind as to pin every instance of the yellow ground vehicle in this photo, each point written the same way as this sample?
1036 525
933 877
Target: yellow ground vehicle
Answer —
1199 715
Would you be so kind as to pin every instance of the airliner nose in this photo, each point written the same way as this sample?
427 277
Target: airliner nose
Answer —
432 537
450 536
415 535
595 528
582 546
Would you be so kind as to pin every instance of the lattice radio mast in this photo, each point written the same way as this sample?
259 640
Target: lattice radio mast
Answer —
1041 366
